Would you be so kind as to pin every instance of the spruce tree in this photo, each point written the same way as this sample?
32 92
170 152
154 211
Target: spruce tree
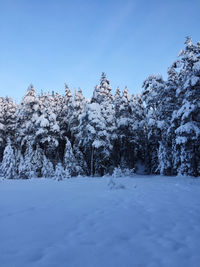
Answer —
26 117
124 133
47 135
151 97
70 161
47 170
186 118
8 166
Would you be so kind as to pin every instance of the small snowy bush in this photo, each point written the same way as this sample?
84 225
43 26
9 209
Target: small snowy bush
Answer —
61 173
118 172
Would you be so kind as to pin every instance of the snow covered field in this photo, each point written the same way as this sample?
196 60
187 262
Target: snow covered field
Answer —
153 221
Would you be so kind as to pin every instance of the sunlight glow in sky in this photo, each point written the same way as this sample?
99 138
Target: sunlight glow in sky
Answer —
52 42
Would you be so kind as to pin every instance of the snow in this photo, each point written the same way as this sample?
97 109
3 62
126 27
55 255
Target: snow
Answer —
1 126
189 128
56 128
142 221
181 140
98 143
186 109
123 122
43 121
194 80
196 67
160 124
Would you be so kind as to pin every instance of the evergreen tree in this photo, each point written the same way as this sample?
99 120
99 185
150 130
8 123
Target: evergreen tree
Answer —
8 166
66 113
30 165
78 109
186 118
151 97
124 133
93 141
168 104
70 162
47 170
137 132
102 92
10 118
27 115
98 129
48 130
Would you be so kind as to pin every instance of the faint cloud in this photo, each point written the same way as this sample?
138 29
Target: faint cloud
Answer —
103 39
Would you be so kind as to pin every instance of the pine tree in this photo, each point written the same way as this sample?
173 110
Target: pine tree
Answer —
30 165
186 118
138 132
66 113
102 92
27 115
94 141
167 105
47 170
98 129
8 166
47 135
151 97
78 109
26 168
10 118
70 162
124 133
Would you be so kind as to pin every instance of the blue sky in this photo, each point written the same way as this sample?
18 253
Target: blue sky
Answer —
52 42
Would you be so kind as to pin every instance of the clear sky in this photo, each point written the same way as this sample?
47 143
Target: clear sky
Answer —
50 42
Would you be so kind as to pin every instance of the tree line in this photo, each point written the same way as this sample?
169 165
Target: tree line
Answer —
49 135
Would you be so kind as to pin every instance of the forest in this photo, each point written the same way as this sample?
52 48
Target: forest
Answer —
158 131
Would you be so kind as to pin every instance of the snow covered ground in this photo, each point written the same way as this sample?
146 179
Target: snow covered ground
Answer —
153 221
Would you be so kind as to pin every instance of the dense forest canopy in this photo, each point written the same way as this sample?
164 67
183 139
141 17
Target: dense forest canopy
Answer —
51 135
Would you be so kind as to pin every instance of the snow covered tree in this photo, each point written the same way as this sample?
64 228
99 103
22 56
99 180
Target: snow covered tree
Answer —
98 128
102 92
77 111
167 106
151 97
186 118
70 162
94 141
123 146
10 118
47 170
61 173
138 132
48 130
117 101
66 113
27 115
7 122
30 164
8 166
